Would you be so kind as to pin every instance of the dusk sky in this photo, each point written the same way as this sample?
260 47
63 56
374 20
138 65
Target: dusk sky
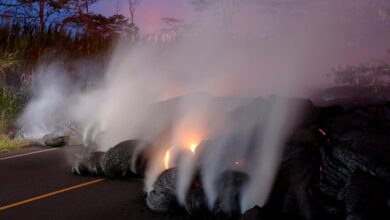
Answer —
149 12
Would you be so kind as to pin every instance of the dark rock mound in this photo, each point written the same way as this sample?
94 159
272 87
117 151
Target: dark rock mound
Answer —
89 164
355 162
355 151
365 197
195 204
126 158
54 140
163 197
230 185
255 213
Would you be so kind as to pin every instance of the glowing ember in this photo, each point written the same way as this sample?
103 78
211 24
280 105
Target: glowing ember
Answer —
167 158
193 147
322 132
239 162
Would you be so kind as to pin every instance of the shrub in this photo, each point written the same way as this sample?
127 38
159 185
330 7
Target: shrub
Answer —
7 144
11 103
8 60
363 75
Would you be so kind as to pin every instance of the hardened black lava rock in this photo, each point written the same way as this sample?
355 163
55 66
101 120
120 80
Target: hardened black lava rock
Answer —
126 158
369 152
89 164
355 150
355 162
336 167
255 213
298 171
195 204
365 197
163 196
54 140
229 187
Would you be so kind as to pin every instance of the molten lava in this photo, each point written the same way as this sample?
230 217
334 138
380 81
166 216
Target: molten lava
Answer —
167 158
322 131
239 162
193 147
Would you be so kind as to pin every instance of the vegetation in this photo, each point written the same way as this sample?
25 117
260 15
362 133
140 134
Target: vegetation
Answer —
7 144
11 103
35 31
372 75
8 60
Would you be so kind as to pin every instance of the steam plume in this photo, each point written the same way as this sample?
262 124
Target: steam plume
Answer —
256 53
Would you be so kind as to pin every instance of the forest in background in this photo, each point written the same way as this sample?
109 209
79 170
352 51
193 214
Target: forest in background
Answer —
33 32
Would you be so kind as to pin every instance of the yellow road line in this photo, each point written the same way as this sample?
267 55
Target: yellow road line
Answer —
49 194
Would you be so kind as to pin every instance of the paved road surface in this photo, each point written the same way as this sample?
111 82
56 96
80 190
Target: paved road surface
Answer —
36 183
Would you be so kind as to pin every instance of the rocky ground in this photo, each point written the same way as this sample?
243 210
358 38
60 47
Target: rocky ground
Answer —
336 166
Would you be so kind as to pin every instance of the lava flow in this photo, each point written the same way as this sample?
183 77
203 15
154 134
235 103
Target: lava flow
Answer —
193 148
167 158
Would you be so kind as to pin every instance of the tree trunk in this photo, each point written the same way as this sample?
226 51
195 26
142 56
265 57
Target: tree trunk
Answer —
42 14
87 6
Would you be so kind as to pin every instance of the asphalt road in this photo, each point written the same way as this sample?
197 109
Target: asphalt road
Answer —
39 185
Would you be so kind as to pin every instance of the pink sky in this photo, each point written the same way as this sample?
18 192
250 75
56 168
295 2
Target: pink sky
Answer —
149 13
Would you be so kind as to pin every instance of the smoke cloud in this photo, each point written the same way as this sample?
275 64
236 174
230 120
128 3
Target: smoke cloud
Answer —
200 88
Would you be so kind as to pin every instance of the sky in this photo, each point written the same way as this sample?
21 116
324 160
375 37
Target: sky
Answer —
149 12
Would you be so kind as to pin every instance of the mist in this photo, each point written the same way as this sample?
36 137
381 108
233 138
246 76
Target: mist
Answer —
182 91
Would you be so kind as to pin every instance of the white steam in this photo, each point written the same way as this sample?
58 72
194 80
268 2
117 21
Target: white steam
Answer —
266 47
47 112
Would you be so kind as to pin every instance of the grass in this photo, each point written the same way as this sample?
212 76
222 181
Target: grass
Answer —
11 104
7 144
8 60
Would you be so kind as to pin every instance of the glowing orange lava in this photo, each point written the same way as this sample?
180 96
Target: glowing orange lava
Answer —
193 147
167 158
188 136
239 162
322 132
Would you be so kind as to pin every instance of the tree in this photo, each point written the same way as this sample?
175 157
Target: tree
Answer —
80 8
100 27
363 75
224 9
30 11
132 9
384 14
133 28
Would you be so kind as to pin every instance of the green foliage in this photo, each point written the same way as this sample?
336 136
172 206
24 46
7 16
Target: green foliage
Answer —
363 75
26 42
24 45
7 144
11 103
76 37
98 33
8 60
